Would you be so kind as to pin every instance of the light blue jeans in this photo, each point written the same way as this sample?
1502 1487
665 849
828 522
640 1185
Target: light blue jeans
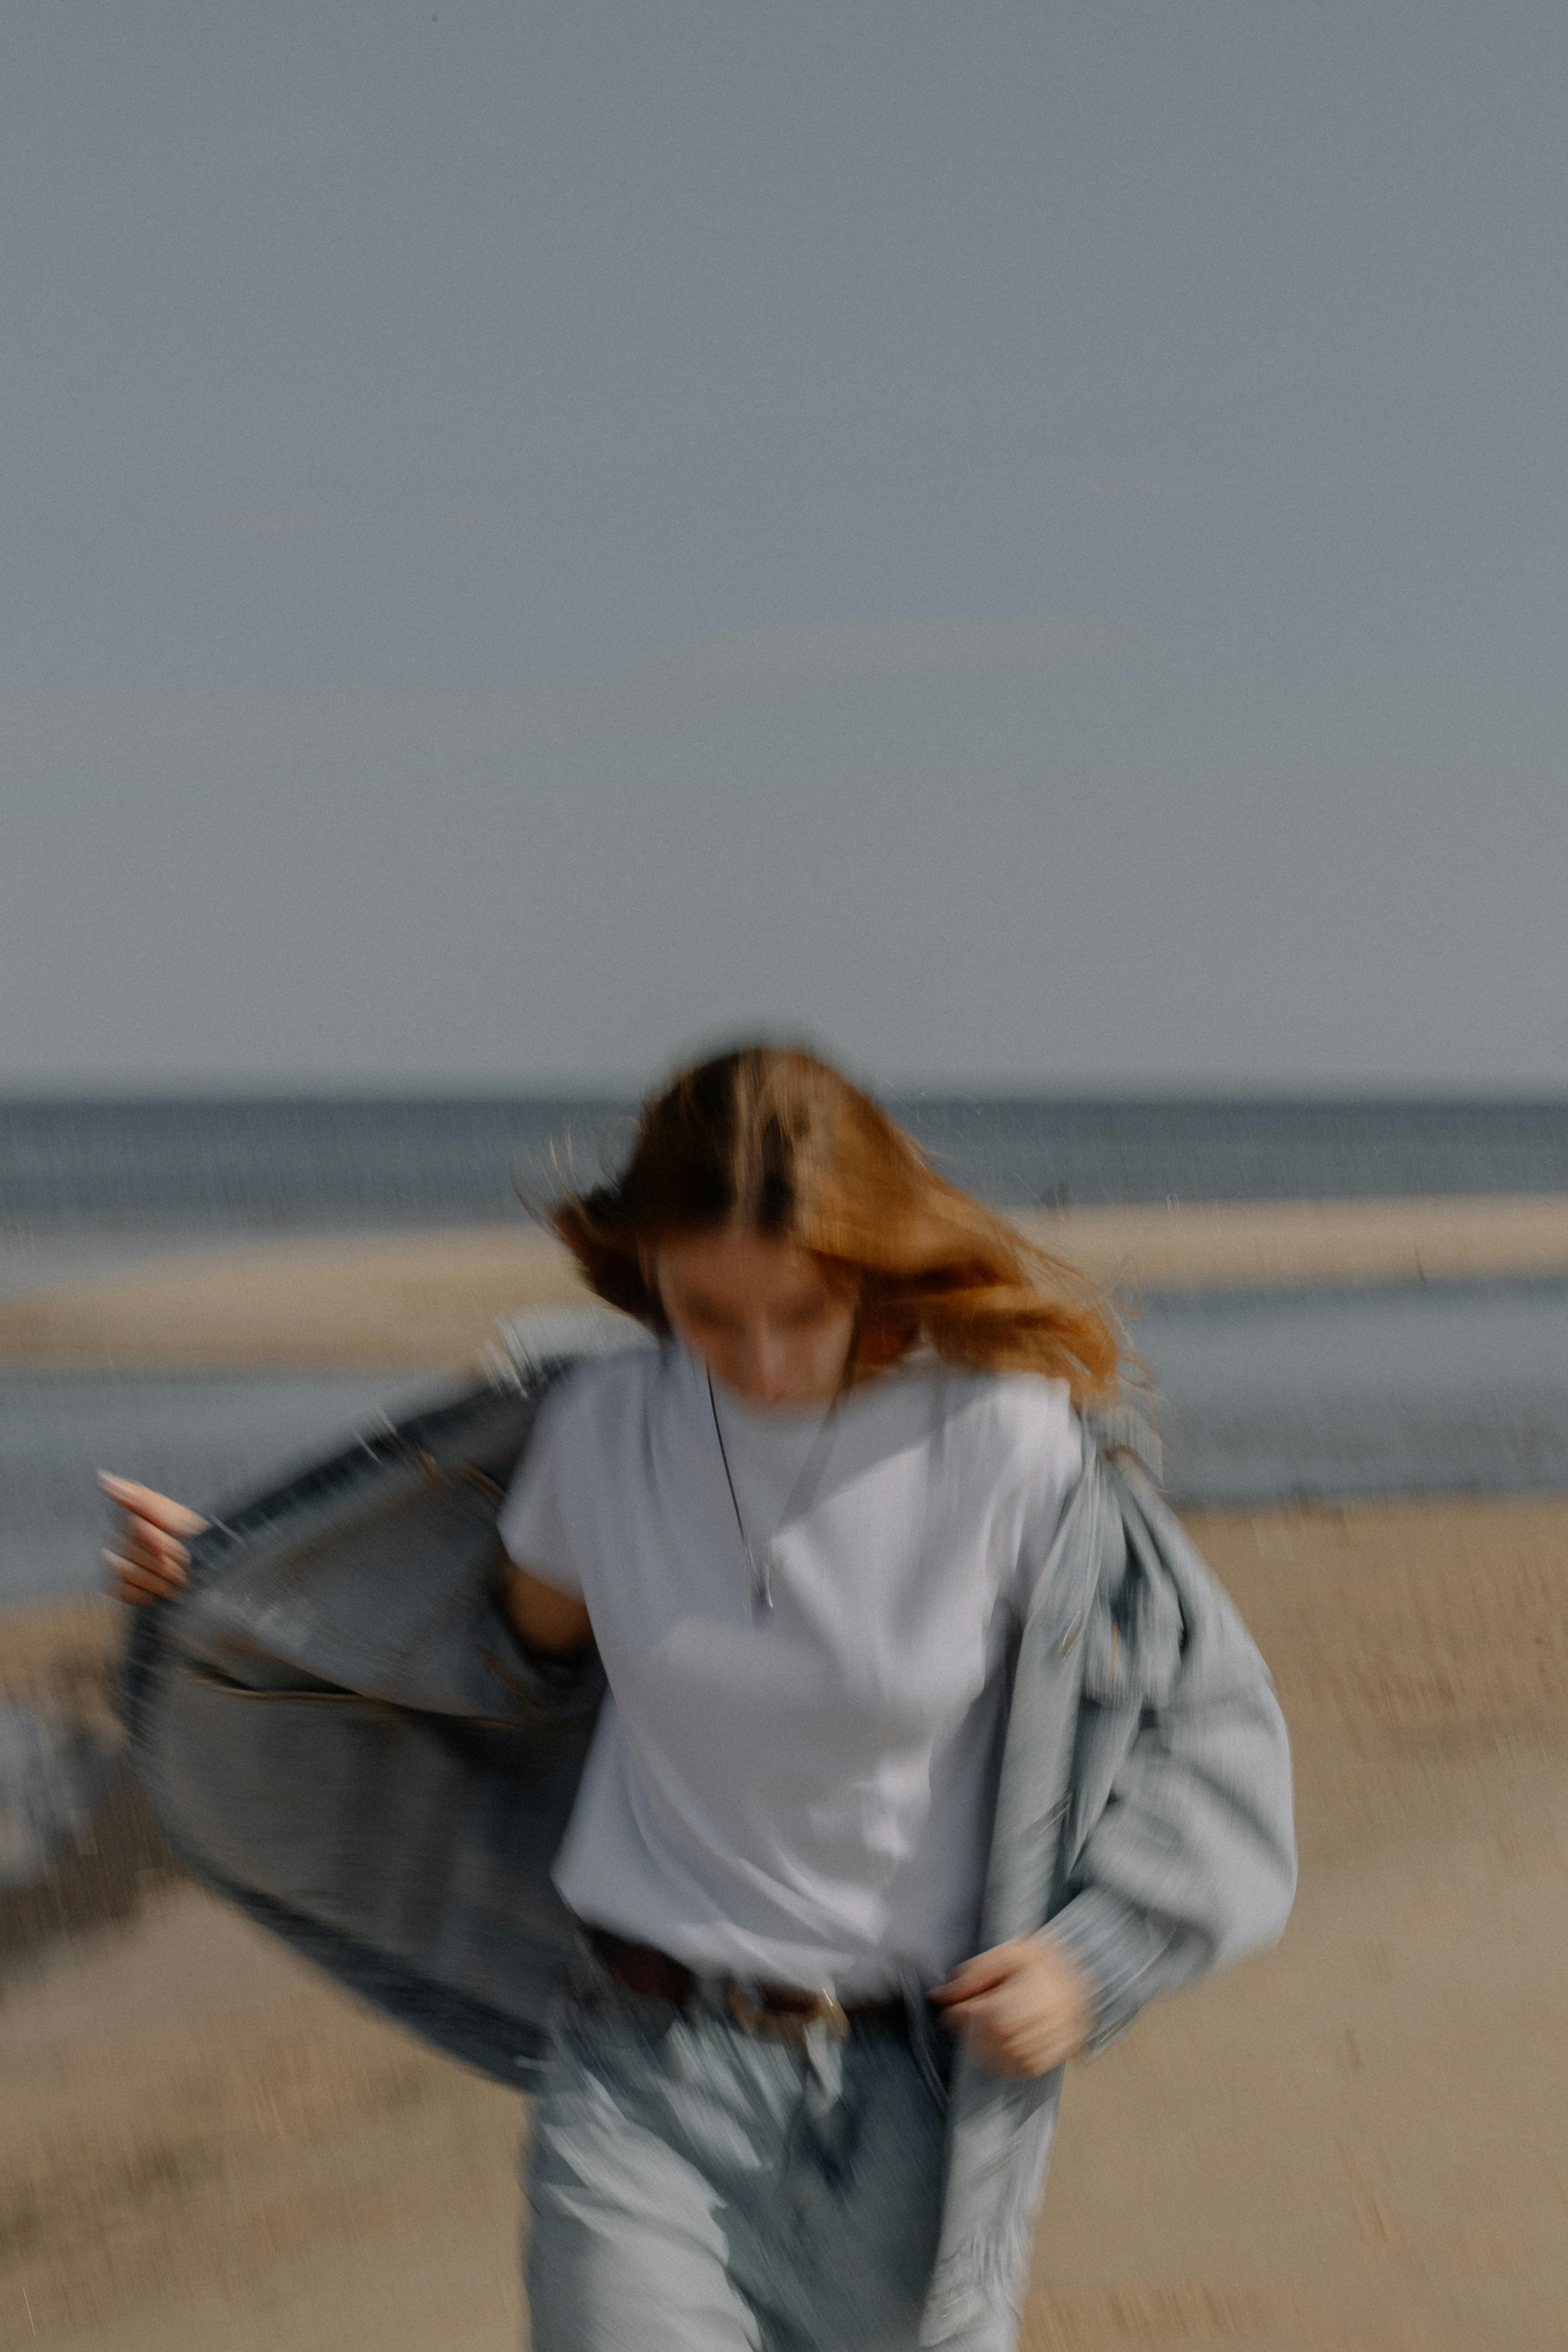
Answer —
695 2188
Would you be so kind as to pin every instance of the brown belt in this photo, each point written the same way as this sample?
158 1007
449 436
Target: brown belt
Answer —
780 2012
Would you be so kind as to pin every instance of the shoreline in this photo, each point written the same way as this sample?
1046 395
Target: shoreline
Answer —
432 1299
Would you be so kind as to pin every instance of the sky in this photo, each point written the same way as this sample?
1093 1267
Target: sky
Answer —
1027 543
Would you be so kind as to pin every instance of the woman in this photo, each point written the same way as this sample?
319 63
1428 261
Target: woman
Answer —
845 1552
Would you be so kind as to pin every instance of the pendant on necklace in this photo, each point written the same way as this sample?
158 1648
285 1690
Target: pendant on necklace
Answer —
762 1569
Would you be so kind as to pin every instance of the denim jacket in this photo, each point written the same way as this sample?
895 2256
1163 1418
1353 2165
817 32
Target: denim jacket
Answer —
337 1731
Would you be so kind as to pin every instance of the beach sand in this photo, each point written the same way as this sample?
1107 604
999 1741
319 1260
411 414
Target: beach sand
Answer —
1353 2145
431 1299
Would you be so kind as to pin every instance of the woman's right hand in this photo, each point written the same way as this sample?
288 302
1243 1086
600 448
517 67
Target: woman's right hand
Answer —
149 1561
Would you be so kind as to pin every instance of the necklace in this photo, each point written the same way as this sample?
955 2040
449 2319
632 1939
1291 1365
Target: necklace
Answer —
811 1470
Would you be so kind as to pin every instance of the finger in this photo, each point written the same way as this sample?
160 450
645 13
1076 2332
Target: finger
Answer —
146 1545
1016 2025
127 1561
1020 2050
136 1585
162 1510
127 1558
962 2013
995 2008
151 1571
159 1511
980 1974
1023 2065
989 2046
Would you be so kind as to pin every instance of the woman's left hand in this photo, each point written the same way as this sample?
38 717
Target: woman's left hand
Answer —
1022 2008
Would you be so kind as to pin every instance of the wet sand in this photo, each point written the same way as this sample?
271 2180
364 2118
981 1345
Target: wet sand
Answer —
431 1298
1353 2145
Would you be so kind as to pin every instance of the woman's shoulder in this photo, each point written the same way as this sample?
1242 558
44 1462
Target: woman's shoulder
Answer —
1006 1417
596 1393
1010 1441
1026 1415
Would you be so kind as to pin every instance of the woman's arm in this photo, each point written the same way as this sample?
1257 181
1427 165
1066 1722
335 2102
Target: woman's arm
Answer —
1185 1857
149 1561
544 1617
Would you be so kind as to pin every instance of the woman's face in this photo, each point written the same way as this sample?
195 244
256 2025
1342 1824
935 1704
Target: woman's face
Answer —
760 1313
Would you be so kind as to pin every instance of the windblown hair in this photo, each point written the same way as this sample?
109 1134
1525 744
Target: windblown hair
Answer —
775 1140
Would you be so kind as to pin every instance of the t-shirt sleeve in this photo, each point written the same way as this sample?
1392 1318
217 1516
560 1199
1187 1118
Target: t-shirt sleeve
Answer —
535 1525
1052 1442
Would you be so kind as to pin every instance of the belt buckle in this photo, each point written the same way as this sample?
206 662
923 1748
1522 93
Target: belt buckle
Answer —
790 2025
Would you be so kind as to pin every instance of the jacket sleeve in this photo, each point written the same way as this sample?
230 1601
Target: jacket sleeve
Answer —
1181 1834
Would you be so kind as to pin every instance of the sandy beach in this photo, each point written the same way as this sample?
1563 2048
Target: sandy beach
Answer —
432 1299
1353 2145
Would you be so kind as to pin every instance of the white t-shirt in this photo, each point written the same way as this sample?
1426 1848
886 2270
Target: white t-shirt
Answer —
802 1794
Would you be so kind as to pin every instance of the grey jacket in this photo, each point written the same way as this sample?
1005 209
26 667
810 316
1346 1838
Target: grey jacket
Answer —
338 1731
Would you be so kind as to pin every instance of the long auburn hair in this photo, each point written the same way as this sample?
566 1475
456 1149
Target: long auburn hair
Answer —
774 1139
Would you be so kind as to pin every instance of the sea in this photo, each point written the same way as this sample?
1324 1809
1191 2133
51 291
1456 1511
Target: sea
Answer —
1270 1396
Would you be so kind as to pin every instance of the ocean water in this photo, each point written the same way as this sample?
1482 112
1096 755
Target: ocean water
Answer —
1272 1396
82 1181
1337 1392
202 1436
1281 1395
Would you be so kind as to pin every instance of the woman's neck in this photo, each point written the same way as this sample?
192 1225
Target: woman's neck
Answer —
779 1409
